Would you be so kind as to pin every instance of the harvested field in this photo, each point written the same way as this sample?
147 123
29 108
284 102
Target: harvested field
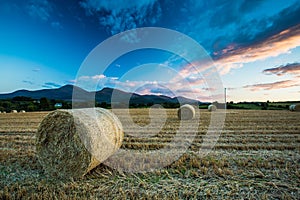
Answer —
257 156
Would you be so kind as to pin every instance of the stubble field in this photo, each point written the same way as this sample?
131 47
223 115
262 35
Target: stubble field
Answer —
257 156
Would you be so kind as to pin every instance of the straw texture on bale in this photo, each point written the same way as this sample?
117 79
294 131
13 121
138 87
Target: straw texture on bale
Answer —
212 108
295 107
70 143
186 112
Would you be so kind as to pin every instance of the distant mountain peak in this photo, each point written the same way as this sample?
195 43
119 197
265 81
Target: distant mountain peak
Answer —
104 95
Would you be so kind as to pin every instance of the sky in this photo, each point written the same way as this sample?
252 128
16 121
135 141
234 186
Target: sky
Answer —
252 48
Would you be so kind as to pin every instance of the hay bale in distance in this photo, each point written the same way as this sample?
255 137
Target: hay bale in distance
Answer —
295 107
72 142
14 111
22 111
291 107
186 112
212 108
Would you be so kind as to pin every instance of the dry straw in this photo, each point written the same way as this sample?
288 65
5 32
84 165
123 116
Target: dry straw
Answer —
212 108
14 111
72 142
186 112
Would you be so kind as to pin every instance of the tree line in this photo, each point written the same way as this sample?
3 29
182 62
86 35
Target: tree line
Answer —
43 104
29 105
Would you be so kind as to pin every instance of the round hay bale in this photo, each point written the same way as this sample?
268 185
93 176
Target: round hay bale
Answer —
22 111
14 111
4 112
295 107
292 107
72 142
186 112
212 108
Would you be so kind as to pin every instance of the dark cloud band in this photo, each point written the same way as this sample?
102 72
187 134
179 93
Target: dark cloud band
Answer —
292 68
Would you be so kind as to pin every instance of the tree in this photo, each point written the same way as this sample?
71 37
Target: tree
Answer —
31 107
264 106
44 103
21 98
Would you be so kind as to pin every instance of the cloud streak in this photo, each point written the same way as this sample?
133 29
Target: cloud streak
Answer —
273 86
51 85
190 88
36 70
291 68
28 82
234 57
40 9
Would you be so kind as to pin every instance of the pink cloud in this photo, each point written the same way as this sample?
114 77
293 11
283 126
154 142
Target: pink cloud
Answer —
273 86
292 68
234 57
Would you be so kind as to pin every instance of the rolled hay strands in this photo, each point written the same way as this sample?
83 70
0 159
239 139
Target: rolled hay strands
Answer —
186 112
212 108
70 143
295 107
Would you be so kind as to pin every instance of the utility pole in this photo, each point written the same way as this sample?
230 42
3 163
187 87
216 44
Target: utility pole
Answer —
225 98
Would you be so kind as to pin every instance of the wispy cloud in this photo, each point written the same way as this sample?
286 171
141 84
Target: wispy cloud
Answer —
273 86
56 25
234 57
191 81
194 89
70 82
118 16
291 68
40 9
257 35
36 70
51 85
28 82
100 81
45 11
254 23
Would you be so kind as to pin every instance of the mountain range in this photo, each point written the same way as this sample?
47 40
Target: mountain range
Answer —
104 95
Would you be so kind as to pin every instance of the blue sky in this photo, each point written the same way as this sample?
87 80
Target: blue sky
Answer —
255 45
